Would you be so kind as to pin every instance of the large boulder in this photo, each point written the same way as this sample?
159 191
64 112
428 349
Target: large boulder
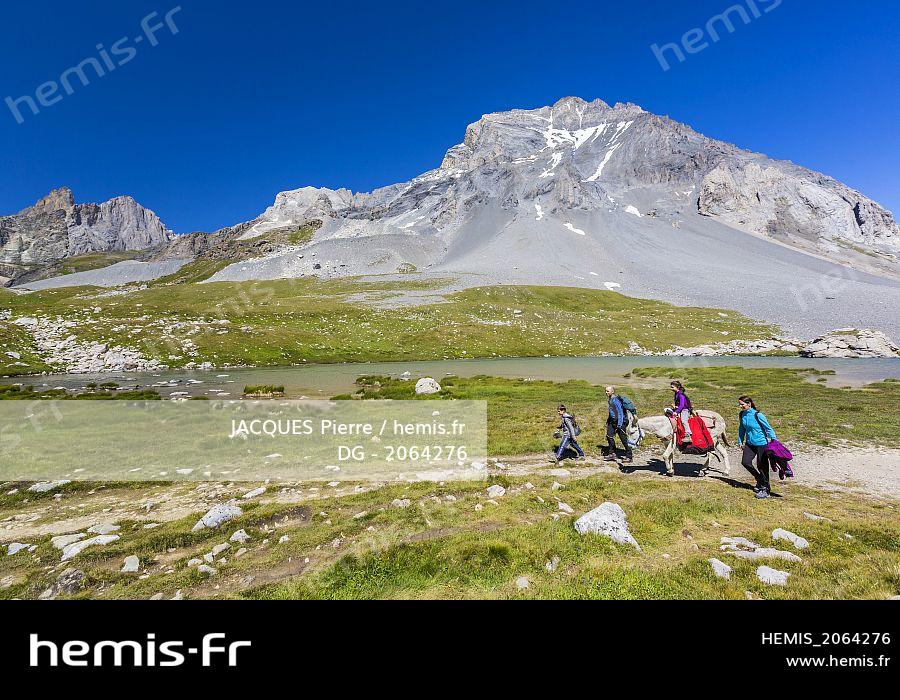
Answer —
427 385
608 520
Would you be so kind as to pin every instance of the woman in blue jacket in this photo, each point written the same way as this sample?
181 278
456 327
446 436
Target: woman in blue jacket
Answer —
754 434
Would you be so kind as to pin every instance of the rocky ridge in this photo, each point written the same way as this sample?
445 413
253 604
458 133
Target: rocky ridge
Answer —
56 227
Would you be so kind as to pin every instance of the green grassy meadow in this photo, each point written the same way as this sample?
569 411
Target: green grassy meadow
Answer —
289 322
359 545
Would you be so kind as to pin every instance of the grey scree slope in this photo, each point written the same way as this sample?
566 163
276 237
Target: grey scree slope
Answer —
124 272
587 195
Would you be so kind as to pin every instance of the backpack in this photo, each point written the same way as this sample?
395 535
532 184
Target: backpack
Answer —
628 405
575 426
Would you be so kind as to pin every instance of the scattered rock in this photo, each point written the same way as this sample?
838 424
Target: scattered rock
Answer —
70 582
132 564
400 503
772 577
45 486
522 583
77 547
796 540
816 518
608 520
103 529
15 548
566 508
283 539
61 349
552 565
254 493
240 536
207 569
217 515
720 568
219 548
745 549
496 491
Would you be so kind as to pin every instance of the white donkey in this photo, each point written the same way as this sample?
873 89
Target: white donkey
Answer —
661 427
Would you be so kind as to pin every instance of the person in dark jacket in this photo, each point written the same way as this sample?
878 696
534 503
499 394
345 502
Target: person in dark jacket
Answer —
567 432
755 433
616 424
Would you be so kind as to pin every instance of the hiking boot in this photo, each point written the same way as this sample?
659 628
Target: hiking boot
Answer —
628 460
763 493
553 461
581 458
610 458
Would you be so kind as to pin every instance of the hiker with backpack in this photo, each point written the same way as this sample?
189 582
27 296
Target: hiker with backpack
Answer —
681 407
568 432
621 410
755 434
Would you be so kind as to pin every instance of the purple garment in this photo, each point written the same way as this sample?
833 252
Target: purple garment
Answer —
682 403
779 457
779 450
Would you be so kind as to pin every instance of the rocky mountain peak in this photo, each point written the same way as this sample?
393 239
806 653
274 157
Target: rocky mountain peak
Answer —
59 199
56 227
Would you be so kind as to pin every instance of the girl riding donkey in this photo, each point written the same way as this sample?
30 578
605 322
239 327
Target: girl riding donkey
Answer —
681 407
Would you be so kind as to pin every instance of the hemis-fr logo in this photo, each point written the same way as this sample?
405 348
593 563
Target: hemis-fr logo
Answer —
213 650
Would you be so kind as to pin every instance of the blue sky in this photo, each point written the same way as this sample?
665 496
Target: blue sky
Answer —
249 99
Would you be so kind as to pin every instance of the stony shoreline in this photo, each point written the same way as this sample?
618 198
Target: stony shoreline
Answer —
61 348
848 343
